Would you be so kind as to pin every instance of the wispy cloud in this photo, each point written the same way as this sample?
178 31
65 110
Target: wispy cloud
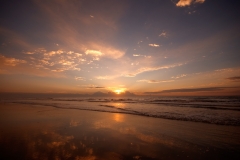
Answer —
79 78
207 89
179 76
154 81
183 3
66 19
234 79
92 86
98 49
28 52
148 69
13 38
163 34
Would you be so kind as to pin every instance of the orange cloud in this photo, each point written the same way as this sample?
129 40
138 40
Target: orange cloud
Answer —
93 52
183 3
11 61
154 81
99 49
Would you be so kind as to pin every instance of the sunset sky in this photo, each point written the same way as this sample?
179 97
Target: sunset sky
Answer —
162 47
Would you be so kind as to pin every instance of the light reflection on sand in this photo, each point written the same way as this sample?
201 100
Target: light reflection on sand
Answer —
71 134
74 123
118 117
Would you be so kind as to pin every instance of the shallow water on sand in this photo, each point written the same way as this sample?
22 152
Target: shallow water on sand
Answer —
40 132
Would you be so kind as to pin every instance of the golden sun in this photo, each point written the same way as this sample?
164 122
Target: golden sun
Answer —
118 91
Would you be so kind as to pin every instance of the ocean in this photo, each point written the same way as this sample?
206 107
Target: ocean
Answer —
222 110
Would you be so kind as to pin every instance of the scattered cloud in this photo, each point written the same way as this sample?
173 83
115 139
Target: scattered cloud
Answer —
55 60
184 3
153 45
11 61
154 81
52 53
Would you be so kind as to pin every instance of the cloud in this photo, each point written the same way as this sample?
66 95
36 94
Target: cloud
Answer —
56 60
153 45
52 53
163 34
79 78
11 61
136 55
184 3
92 86
154 81
106 77
139 55
148 69
179 76
13 38
97 49
95 22
44 61
93 52
28 52
234 79
199 1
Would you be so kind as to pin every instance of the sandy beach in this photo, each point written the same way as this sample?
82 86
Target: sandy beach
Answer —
43 132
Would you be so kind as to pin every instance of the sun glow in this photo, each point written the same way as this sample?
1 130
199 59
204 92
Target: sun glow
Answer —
118 91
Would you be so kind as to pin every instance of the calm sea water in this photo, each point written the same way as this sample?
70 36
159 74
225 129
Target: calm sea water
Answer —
215 110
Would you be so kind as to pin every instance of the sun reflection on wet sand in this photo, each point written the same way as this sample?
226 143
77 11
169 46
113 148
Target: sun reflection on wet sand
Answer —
74 123
67 134
118 117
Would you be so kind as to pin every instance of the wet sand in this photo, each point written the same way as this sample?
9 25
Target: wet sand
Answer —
41 132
